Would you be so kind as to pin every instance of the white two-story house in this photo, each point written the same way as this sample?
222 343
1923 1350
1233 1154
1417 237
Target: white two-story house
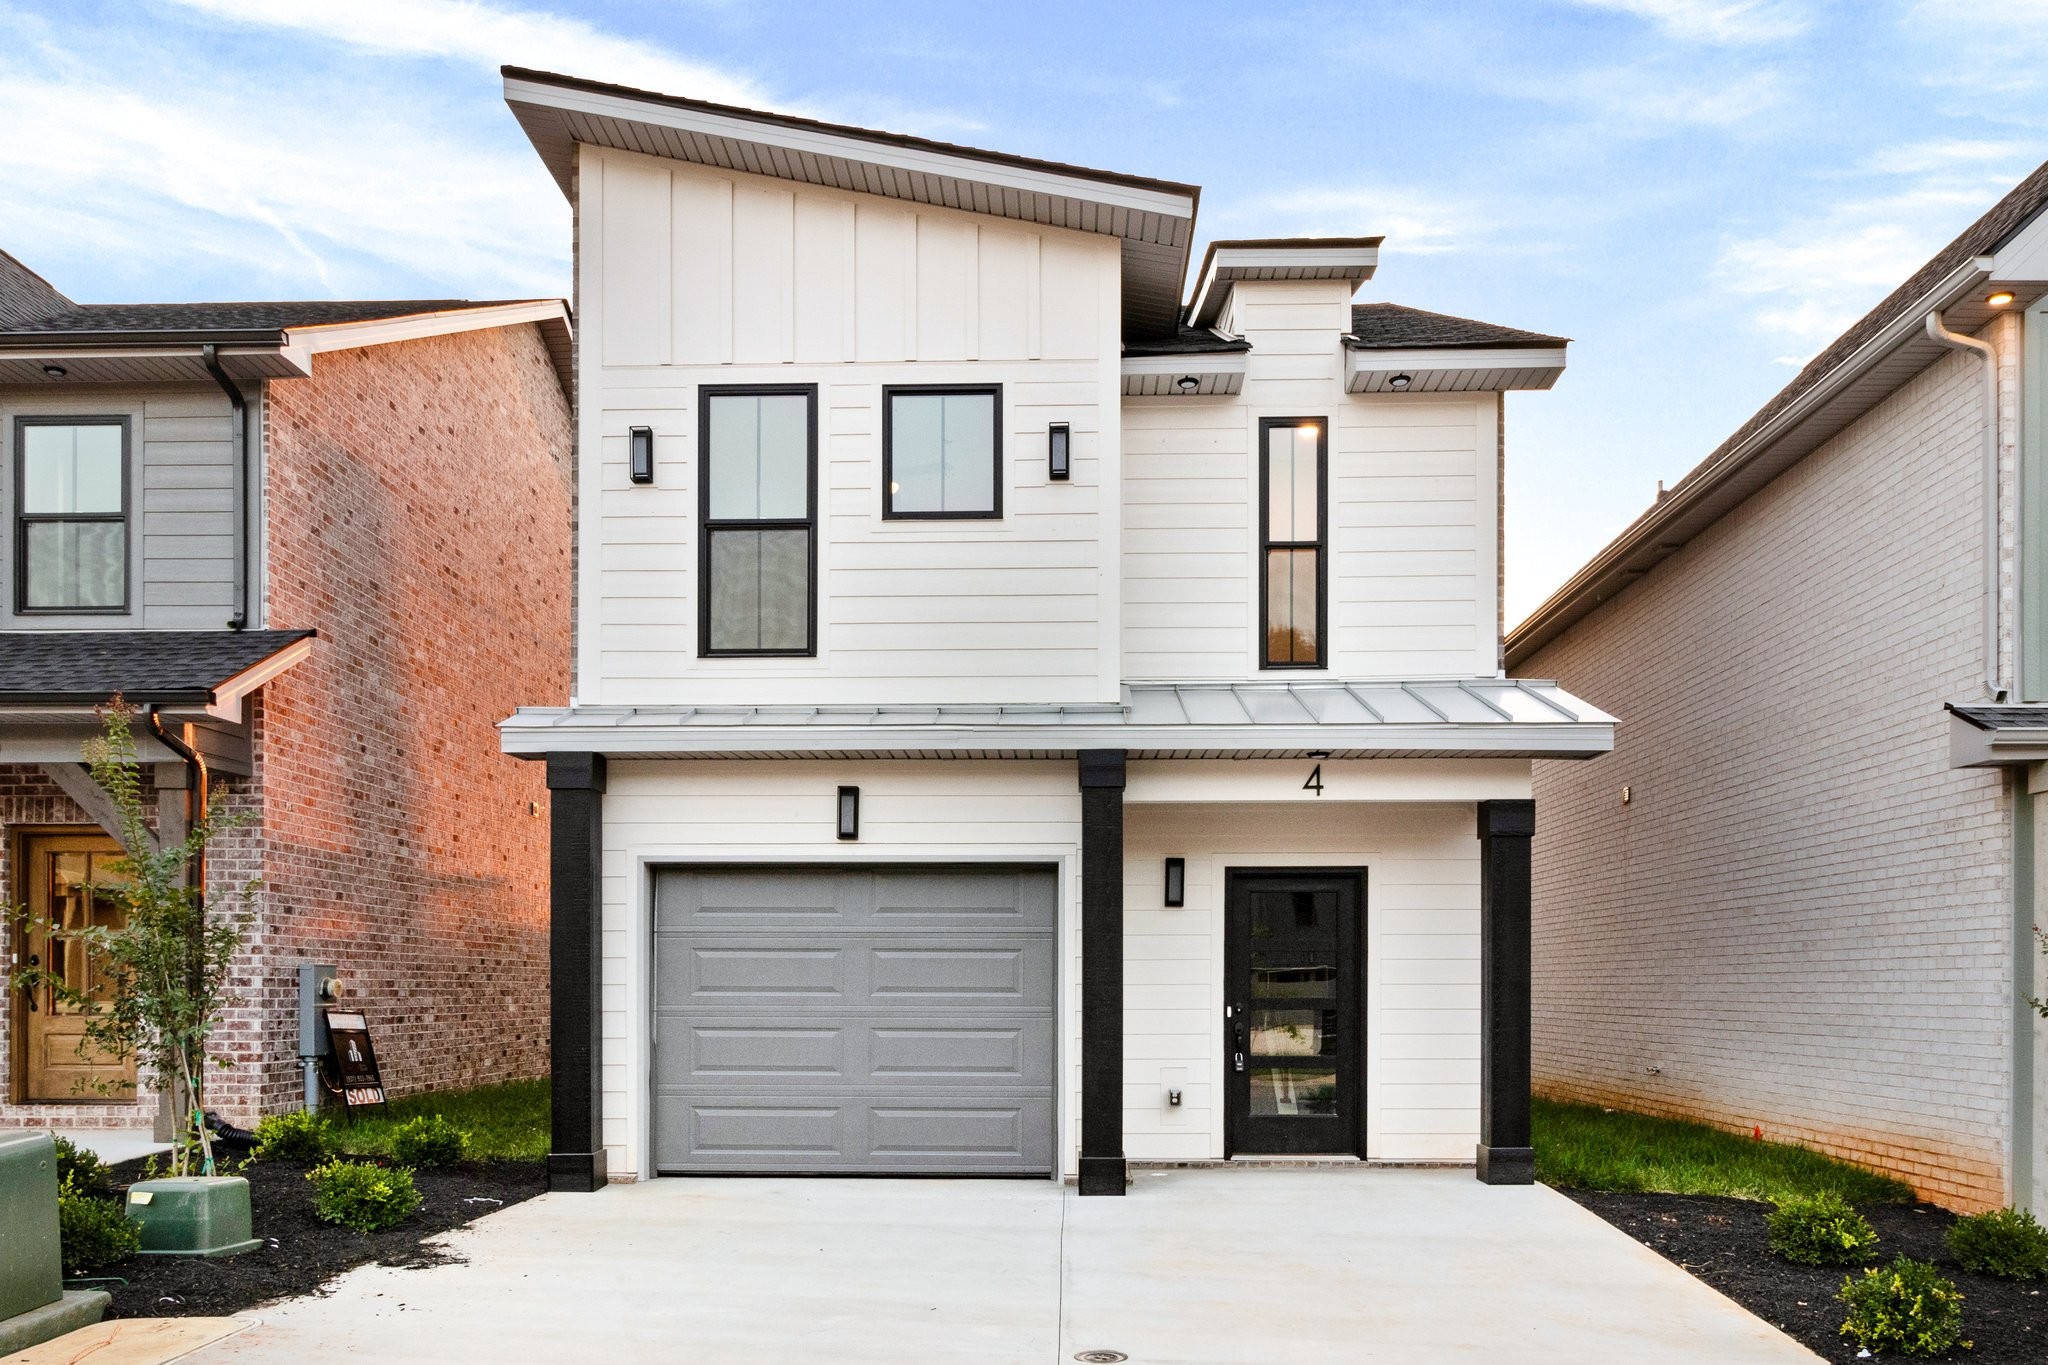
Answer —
1022 723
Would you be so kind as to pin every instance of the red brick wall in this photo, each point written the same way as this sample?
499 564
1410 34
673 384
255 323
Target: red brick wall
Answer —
418 519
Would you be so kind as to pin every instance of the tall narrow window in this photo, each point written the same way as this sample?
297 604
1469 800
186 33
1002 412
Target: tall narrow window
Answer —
71 514
758 563
1294 569
942 452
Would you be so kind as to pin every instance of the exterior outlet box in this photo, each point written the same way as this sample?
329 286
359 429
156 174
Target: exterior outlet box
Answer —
196 1215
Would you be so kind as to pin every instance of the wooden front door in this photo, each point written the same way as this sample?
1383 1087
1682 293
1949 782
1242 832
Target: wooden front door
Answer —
1295 1024
58 876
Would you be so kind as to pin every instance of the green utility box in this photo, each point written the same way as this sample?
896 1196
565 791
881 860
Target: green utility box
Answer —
34 1305
193 1215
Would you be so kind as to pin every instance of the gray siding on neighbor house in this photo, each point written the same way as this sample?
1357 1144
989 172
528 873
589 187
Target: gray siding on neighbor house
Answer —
1802 917
181 502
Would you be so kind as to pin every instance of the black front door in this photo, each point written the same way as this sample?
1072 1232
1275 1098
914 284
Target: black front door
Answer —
1294 1031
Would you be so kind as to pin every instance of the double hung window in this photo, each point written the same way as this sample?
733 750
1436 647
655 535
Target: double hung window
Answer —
758 562
71 514
1293 541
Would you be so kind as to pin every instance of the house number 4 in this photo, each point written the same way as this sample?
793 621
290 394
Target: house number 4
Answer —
1315 780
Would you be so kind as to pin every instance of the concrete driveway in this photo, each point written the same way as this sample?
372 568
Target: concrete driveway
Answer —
1196 1267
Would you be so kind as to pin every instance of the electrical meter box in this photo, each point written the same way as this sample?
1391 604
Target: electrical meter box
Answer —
319 987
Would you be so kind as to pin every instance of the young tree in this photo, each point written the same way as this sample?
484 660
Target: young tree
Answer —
163 973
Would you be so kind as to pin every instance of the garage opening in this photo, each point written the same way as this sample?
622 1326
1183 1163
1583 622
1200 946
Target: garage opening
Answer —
858 1021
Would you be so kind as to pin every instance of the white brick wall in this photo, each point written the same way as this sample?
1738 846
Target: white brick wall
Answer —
1801 920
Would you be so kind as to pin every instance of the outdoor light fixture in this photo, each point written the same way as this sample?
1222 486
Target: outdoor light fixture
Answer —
1176 882
642 464
58 371
2000 299
1187 383
1399 382
1058 461
849 812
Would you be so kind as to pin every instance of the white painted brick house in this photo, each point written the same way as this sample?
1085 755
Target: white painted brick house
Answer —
1801 893
1020 723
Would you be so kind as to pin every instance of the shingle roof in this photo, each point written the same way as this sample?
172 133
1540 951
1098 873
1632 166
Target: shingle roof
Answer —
2004 717
226 317
1392 326
86 666
1187 341
25 294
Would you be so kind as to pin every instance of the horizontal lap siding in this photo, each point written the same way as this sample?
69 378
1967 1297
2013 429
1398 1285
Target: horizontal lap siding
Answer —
1411 510
759 813
181 492
1800 920
699 277
1422 967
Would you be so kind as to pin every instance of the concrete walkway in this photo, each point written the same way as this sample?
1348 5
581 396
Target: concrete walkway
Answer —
1200 1267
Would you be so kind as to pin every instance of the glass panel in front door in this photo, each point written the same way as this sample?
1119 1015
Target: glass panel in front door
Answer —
1291 1008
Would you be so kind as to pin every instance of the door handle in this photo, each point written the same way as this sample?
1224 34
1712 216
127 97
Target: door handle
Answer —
27 988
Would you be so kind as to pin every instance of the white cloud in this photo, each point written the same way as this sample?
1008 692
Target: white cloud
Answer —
1716 21
1413 221
488 36
1985 47
1810 279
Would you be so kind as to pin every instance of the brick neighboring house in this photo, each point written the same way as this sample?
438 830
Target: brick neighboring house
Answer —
1801 892
396 584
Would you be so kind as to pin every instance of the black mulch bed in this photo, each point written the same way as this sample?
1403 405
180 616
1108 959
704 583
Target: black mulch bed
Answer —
300 1253
1722 1242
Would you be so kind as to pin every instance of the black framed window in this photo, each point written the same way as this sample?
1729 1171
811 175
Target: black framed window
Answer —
942 451
1293 541
757 563
71 514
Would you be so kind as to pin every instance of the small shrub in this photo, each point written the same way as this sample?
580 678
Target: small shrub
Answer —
2006 1242
296 1136
358 1195
93 1232
1822 1230
427 1142
79 1167
1907 1306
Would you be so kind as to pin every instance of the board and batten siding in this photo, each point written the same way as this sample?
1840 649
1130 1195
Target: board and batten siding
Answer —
1413 510
784 814
181 502
693 276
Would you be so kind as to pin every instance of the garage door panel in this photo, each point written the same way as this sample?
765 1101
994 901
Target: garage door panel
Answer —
883 1053
855 1020
988 1134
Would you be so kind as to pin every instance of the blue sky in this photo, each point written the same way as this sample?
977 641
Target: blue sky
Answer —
1701 193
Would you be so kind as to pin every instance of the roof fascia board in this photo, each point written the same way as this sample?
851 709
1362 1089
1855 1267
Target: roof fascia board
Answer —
225 703
341 336
818 142
1213 287
1548 740
1187 362
1579 596
1455 358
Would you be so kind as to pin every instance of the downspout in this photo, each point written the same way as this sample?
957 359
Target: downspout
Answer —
1994 674
210 354
197 799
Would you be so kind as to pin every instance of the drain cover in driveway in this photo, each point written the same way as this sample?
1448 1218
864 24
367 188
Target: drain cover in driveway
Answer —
1100 1357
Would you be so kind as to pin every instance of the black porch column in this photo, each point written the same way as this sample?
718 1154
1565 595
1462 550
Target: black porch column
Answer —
575 961
1505 1156
1102 971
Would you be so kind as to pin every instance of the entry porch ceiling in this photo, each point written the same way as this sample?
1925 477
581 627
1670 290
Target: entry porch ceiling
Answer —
1155 219
1456 718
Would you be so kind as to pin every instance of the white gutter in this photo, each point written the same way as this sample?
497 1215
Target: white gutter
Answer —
1994 674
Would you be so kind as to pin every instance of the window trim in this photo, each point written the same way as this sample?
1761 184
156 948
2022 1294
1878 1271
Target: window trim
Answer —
705 525
889 394
1321 544
23 518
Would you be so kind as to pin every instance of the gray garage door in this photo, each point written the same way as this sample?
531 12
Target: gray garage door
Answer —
885 1020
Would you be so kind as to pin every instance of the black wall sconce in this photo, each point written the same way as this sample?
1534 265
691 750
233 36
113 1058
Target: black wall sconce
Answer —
1176 882
642 463
849 812
1059 463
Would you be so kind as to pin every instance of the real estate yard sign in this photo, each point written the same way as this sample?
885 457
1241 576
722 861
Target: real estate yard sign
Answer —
354 1060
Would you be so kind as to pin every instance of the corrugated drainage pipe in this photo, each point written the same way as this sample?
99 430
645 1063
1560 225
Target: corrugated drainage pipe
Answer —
1994 675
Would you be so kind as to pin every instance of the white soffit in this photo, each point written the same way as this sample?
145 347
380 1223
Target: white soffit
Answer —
1308 258
1217 372
1154 218
1453 369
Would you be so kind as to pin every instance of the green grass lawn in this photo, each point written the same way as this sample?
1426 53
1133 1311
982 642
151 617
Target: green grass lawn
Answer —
1581 1146
507 1122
